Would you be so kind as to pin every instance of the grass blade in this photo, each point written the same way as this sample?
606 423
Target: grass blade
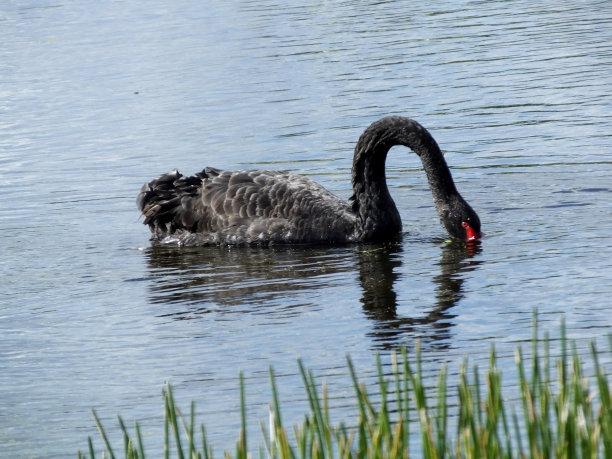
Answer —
109 449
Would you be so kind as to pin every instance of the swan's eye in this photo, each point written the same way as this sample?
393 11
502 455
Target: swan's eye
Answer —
465 224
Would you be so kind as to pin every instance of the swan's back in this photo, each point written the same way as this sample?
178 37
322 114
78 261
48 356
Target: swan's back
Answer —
243 207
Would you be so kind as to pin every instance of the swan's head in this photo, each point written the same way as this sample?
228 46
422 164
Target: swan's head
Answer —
461 221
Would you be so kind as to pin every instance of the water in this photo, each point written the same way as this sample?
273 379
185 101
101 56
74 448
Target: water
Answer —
95 100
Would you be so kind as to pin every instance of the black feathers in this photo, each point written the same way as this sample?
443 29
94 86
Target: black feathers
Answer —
259 206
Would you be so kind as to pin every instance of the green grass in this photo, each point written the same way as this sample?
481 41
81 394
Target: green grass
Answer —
561 416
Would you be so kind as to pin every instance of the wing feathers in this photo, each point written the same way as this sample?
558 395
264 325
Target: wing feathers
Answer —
216 206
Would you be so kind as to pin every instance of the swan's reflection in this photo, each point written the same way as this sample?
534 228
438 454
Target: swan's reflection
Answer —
188 283
378 273
226 280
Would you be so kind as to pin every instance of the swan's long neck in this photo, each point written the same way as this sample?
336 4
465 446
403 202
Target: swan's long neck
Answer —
377 215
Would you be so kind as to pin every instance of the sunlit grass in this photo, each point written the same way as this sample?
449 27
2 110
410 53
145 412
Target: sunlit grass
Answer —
560 416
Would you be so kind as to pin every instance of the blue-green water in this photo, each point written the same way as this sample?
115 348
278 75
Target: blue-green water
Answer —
96 99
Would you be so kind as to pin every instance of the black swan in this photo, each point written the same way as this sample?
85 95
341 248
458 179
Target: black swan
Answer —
265 207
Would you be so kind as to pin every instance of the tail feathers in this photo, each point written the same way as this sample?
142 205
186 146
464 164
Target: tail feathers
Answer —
168 202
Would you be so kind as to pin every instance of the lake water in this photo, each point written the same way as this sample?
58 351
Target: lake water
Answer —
96 99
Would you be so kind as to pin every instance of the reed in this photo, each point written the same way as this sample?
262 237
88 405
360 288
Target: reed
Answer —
564 416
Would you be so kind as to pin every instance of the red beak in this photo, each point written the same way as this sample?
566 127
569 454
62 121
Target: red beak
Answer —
471 233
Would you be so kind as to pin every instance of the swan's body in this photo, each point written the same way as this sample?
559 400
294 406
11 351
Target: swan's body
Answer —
254 206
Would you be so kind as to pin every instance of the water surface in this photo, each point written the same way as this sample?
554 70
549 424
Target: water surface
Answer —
96 99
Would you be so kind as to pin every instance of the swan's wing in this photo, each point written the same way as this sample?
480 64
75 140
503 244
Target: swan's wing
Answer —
263 205
170 202
243 206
